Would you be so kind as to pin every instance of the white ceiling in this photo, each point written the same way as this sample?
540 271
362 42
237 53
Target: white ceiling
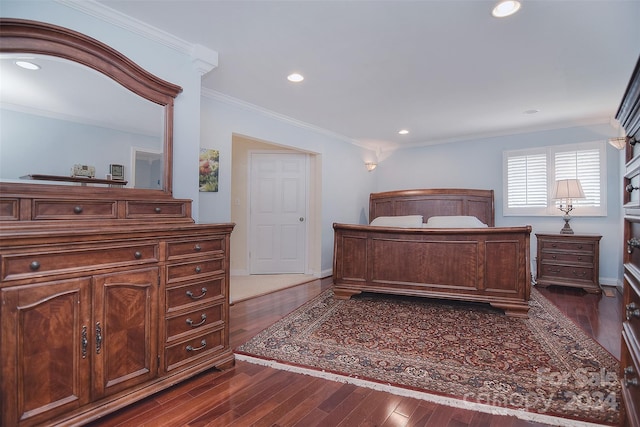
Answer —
446 70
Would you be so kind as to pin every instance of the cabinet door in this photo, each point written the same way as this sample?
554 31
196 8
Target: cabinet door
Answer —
44 354
125 328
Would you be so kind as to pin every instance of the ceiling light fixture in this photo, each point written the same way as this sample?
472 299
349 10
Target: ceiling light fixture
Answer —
505 8
27 65
403 132
295 77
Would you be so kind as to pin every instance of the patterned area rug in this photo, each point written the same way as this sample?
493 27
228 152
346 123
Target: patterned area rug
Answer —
543 368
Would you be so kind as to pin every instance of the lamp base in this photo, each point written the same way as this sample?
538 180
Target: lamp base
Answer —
567 228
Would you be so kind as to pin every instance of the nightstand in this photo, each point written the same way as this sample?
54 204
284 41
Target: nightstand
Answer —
569 260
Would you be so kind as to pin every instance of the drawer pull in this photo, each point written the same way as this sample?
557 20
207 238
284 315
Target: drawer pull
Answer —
203 344
580 246
632 311
34 266
98 337
198 269
157 210
85 341
628 382
584 273
553 257
555 270
195 325
629 370
77 209
203 293
630 188
137 255
632 243
197 248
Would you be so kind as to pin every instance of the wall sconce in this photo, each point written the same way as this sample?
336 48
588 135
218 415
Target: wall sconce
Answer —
619 142
567 190
371 166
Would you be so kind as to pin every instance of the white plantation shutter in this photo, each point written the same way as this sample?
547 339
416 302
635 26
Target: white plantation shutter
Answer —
527 180
530 175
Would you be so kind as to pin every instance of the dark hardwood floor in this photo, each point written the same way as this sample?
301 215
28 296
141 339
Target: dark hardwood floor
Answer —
252 395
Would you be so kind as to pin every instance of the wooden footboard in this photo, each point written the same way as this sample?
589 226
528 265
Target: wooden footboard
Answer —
488 265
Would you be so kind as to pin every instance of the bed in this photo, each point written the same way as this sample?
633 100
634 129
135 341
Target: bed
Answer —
459 254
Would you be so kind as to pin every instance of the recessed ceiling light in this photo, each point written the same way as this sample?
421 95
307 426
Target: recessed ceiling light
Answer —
403 132
295 77
27 65
505 8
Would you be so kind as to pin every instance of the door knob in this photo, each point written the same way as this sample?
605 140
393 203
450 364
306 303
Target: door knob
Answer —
301 219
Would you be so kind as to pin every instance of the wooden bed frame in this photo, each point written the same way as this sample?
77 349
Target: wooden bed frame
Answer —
488 264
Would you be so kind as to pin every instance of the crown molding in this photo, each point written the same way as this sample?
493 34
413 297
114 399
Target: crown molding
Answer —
218 96
119 19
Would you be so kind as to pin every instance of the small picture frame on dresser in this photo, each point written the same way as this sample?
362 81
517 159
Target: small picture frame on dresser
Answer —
570 260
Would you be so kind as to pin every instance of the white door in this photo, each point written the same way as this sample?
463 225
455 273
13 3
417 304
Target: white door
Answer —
278 222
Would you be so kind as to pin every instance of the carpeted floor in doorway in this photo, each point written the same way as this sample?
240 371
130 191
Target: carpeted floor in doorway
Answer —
543 368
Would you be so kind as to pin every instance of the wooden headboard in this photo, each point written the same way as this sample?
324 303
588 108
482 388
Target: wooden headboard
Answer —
434 202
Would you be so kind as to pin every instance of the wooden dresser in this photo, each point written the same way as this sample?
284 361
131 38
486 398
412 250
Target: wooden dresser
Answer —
569 260
107 294
629 117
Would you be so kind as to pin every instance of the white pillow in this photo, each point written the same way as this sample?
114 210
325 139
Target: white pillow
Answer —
454 221
404 221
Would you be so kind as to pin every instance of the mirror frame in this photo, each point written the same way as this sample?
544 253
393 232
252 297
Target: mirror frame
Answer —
26 36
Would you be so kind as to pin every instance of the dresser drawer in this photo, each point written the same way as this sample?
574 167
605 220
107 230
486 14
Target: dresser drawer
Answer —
137 209
566 245
195 247
74 209
631 309
194 322
630 365
189 295
192 350
9 209
66 260
567 257
565 272
193 269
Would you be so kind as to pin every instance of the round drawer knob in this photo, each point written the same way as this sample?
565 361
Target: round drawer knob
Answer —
197 248
157 210
198 269
137 255
34 266
77 209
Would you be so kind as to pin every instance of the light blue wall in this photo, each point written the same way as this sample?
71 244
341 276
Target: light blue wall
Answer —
478 164
165 61
345 184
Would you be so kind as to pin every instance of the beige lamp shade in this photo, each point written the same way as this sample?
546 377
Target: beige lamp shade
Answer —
568 189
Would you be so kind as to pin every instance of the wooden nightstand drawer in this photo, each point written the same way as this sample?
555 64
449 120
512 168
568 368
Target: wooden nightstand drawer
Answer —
566 272
195 247
194 322
567 257
194 349
192 294
169 209
74 209
567 245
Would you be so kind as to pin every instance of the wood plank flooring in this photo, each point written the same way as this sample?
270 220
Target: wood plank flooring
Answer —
252 395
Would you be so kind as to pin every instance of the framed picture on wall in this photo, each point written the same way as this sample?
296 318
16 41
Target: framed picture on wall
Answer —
209 164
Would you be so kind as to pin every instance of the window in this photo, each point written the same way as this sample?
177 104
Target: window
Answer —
529 176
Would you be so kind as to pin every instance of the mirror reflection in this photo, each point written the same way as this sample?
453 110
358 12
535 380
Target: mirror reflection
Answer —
60 113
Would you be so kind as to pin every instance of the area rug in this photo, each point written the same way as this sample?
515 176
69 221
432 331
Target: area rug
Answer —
543 369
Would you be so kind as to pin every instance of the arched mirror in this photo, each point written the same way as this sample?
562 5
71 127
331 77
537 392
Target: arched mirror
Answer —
80 112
